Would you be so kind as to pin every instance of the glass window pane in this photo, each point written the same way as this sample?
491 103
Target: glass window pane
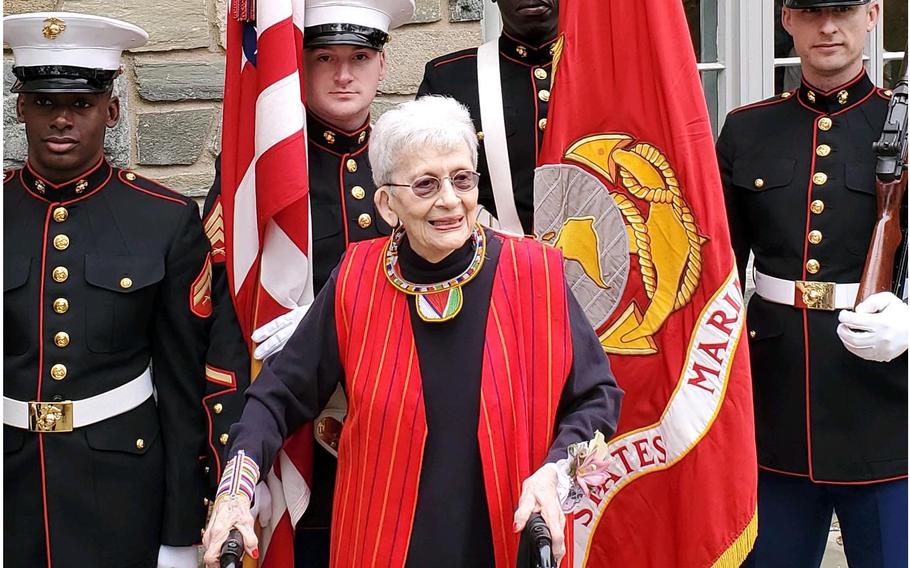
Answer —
895 36
701 16
709 86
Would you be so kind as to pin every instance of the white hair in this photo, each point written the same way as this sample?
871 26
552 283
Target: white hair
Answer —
432 121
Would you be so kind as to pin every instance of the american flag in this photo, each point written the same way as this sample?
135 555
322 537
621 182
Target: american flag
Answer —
265 196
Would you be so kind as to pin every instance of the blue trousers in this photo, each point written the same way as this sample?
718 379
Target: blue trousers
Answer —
794 516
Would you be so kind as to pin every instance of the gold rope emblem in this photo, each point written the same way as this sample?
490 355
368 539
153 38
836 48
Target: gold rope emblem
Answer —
665 238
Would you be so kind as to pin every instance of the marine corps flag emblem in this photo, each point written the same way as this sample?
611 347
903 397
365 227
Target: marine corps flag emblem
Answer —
628 188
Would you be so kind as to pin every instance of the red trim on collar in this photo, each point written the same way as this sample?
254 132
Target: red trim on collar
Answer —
8 175
87 173
857 103
847 85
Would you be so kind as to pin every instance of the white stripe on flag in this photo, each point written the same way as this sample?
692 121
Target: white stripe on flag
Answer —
246 230
284 269
271 12
296 490
279 112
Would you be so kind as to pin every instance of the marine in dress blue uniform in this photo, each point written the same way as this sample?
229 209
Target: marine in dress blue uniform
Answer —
105 274
831 426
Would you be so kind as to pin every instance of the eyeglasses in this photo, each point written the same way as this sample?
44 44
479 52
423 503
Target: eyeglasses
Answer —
427 186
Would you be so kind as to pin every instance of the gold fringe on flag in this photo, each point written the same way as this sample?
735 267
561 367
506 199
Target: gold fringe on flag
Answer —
736 554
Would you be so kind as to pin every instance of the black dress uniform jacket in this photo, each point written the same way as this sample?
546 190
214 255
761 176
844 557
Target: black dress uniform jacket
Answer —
100 278
525 72
798 175
342 211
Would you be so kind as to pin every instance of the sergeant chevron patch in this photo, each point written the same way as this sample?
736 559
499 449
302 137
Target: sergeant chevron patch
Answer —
201 290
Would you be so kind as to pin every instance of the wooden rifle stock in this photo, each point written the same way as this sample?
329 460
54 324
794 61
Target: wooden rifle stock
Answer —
890 189
878 272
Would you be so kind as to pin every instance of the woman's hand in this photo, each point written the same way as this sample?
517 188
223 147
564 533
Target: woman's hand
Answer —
538 495
232 511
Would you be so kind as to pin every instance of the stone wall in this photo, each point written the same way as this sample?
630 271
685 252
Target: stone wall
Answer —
171 89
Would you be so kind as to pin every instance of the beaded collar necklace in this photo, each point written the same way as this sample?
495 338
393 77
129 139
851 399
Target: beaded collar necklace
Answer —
439 301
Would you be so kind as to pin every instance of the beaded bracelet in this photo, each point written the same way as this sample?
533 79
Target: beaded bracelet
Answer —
240 476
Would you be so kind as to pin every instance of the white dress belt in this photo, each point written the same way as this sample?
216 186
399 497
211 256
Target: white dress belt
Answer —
806 293
65 415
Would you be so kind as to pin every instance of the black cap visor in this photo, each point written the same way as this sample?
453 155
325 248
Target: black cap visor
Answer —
62 79
808 4
344 34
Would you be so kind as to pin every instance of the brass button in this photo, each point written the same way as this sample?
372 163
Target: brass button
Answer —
61 242
223 439
140 443
542 123
60 274
61 305
842 97
752 333
823 150
758 183
815 237
329 136
218 408
811 96
817 206
786 95
480 135
208 469
61 214
543 95
205 501
819 178
61 339
358 192
364 220
521 50
130 176
58 372
126 282
813 266
825 123
351 165
540 73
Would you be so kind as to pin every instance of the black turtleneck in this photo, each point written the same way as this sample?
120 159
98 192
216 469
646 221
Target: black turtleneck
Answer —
451 361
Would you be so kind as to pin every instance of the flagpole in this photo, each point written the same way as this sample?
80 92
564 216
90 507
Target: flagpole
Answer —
255 368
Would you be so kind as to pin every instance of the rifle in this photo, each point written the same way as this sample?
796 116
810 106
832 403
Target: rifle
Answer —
890 188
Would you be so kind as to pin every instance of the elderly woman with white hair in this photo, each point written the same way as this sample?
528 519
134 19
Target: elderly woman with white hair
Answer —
468 365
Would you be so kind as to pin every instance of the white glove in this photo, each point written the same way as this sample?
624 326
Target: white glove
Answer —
178 556
879 328
274 335
262 504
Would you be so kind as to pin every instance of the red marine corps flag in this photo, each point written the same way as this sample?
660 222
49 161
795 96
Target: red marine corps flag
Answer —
265 195
629 189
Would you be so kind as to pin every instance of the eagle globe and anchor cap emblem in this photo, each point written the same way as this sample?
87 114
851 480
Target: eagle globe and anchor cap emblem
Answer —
53 27
599 230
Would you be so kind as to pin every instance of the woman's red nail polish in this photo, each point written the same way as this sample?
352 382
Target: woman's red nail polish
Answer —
255 554
515 527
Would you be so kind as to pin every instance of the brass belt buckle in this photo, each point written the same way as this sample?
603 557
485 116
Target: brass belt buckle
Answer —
815 295
50 416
